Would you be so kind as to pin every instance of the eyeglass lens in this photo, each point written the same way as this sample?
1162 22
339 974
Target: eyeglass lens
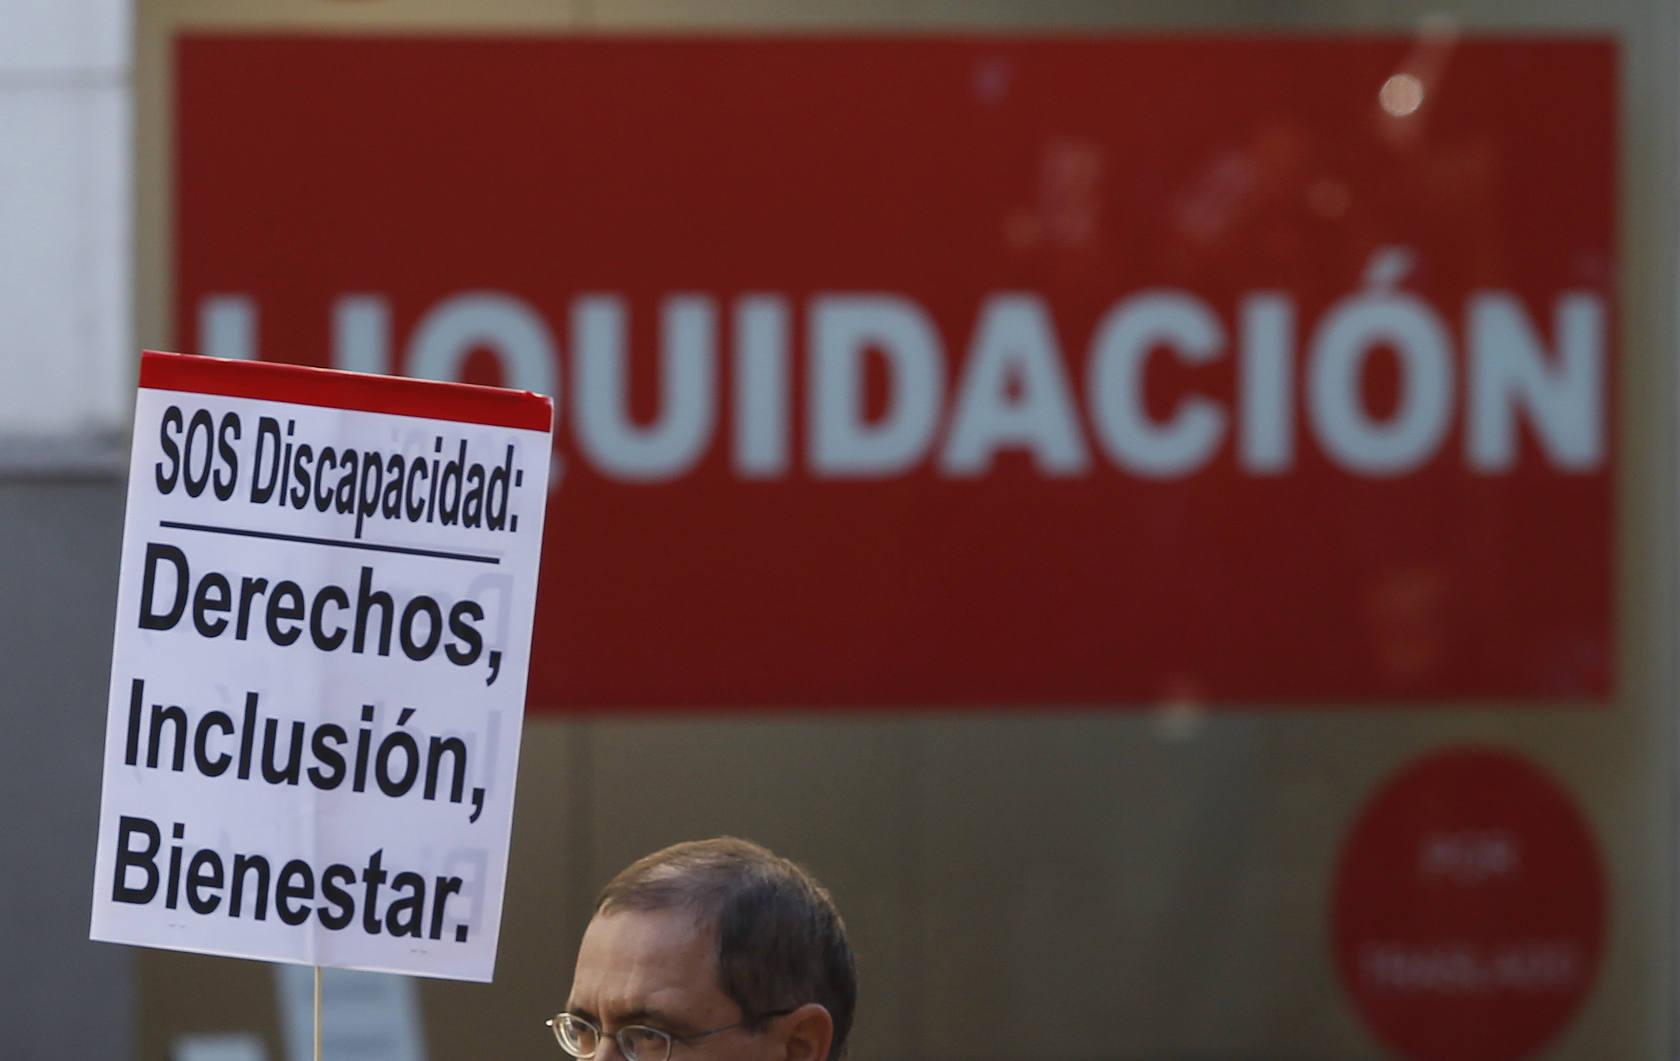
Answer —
582 1039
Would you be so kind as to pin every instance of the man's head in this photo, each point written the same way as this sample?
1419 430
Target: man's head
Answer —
719 937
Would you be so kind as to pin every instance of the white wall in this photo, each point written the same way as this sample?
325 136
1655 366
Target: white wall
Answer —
66 100
66 163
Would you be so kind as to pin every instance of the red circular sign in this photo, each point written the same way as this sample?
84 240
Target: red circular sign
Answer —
1469 908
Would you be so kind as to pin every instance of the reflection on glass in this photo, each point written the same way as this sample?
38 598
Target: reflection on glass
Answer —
1401 94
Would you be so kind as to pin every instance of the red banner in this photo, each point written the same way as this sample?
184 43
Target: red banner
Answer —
900 371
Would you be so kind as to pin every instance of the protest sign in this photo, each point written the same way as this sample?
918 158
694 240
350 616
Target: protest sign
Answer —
319 670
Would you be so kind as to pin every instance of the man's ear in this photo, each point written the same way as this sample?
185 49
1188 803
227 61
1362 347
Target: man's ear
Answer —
808 1033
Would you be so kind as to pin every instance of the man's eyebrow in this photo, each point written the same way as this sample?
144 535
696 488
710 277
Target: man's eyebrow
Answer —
644 1015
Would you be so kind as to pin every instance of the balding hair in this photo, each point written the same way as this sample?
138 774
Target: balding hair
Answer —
780 940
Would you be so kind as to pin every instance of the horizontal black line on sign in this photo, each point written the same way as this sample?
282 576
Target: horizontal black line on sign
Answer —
340 542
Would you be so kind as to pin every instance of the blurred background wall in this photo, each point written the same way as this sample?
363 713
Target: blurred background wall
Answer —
66 188
1151 879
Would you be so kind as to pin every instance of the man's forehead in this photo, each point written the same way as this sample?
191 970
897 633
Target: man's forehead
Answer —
638 961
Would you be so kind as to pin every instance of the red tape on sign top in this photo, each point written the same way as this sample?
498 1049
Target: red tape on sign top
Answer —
346 390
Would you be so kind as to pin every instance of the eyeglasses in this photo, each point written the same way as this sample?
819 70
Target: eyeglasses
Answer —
637 1042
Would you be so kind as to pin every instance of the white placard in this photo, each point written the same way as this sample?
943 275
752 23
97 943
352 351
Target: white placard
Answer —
318 676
